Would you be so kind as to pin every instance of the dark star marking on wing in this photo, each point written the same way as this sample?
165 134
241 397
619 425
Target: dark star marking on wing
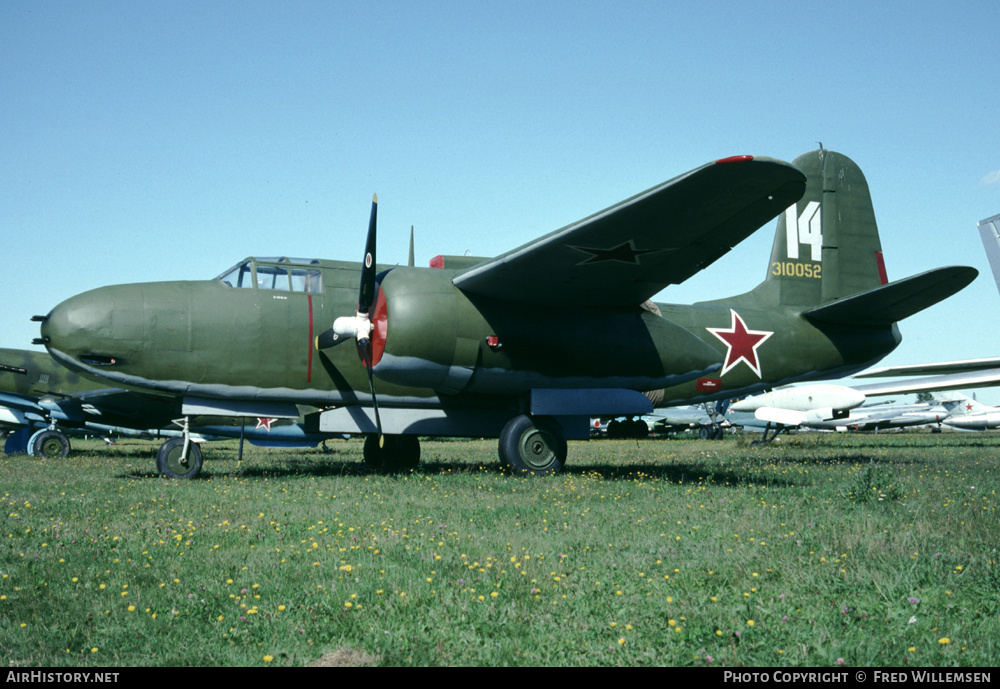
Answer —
623 253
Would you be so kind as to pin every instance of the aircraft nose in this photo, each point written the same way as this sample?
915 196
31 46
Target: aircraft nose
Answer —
84 327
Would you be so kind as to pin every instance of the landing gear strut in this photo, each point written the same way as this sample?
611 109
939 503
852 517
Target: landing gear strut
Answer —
779 428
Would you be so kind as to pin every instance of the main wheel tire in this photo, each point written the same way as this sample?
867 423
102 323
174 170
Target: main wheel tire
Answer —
50 444
168 459
532 445
639 429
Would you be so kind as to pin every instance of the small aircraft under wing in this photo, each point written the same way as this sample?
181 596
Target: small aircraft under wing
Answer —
528 346
795 406
830 407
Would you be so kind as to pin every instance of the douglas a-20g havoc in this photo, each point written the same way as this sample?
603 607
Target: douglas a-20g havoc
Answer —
526 346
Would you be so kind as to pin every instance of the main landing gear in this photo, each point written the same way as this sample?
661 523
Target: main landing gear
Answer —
532 445
711 432
628 428
48 443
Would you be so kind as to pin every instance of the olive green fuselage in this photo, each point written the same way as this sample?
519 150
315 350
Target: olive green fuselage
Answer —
439 345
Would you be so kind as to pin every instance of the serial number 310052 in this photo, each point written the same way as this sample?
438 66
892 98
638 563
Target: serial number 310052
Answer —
796 269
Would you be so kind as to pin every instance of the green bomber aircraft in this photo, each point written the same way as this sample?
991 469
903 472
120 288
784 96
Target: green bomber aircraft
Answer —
526 346
43 403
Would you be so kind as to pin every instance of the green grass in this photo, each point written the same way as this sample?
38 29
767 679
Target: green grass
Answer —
865 550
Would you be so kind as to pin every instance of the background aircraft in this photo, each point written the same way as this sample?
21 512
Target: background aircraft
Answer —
44 403
947 375
967 414
527 346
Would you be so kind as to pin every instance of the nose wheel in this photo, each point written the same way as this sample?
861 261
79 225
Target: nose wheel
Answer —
173 462
179 457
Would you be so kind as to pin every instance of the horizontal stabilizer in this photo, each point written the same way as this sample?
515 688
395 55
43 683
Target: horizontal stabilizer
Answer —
895 301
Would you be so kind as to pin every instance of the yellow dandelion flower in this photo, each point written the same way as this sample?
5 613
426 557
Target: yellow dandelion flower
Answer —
944 640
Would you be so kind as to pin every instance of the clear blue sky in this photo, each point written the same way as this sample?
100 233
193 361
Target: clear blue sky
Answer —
167 140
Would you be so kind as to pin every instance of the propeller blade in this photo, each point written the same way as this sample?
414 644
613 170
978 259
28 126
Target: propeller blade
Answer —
366 295
327 338
358 326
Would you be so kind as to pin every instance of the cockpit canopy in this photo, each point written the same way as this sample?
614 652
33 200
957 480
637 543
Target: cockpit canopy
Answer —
278 273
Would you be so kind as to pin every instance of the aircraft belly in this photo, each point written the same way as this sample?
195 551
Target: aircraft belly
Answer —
447 421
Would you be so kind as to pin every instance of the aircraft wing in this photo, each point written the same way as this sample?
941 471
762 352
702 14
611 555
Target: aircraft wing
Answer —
110 406
625 254
955 381
940 367
22 403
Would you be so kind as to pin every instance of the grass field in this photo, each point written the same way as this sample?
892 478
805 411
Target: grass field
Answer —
818 550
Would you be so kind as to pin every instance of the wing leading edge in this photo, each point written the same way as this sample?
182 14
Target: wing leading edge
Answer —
625 254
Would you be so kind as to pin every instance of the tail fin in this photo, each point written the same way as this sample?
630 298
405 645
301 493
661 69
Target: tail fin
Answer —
827 257
989 230
827 245
958 404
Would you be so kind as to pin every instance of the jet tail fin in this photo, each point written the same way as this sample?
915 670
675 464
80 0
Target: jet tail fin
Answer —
958 404
989 230
886 304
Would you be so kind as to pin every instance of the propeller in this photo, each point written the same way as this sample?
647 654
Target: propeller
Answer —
359 326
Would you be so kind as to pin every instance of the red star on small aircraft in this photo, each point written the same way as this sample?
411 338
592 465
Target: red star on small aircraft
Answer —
741 344
265 423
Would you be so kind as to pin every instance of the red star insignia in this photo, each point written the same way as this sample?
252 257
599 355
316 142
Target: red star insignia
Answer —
968 407
741 344
265 423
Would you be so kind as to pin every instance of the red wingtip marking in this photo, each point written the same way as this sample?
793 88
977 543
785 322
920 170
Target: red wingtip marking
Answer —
733 159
